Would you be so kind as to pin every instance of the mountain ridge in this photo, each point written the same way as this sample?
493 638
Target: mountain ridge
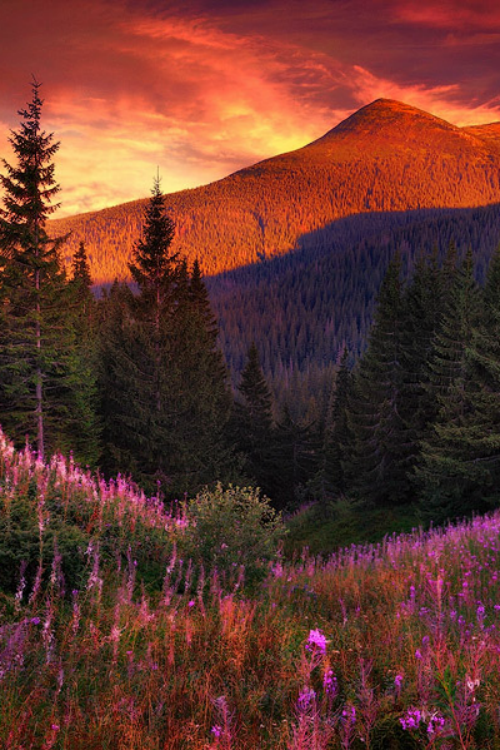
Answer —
387 156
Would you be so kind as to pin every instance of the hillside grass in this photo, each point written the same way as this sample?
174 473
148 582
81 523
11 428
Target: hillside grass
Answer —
325 528
385 646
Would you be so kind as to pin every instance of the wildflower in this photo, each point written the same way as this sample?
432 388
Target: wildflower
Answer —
435 725
191 603
411 719
306 698
418 654
316 641
216 730
398 681
55 727
330 683
35 621
349 715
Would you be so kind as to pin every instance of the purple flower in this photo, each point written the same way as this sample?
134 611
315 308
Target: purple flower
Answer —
35 621
316 641
398 681
349 715
216 730
306 698
330 683
435 725
411 719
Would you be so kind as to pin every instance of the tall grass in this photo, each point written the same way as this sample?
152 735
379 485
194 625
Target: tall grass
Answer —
388 646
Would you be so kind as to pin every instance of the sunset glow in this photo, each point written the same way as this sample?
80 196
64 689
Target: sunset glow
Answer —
201 89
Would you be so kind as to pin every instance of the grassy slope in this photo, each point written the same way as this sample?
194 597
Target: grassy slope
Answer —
324 530
390 647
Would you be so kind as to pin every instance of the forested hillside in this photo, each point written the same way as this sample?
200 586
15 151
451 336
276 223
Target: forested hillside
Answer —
301 309
388 156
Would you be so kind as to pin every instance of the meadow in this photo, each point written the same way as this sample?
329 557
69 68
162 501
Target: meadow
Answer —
120 629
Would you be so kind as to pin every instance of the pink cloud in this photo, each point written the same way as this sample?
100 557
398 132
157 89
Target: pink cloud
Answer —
442 101
208 89
466 15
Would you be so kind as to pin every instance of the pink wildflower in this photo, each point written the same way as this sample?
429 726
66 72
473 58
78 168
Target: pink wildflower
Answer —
316 641
411 719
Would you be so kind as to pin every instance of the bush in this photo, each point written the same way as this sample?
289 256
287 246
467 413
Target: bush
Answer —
233 527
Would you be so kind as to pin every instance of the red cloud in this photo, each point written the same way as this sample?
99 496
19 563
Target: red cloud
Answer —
205 91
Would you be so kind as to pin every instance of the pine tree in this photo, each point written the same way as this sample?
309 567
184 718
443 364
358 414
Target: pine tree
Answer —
444 471
377 460
295 457
120 389
161 360
137 404
337 441
423 302
203 397
39 368
81 283
254 422
480 432
86 426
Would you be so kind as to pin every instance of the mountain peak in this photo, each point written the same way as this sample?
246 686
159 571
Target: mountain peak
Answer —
388 156
388 119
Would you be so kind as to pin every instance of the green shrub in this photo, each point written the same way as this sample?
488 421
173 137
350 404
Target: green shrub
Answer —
233 527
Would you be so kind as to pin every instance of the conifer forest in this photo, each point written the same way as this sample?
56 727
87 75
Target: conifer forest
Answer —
257 509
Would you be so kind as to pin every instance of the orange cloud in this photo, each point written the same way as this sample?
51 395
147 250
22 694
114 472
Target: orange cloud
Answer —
442 101
208 88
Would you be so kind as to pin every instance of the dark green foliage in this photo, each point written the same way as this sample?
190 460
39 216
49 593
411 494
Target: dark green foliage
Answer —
421 315
445 472
81 272
236 530
82 414
165 401
44 388
253 423
388 734
338 439
117 356
379 438
153 265
296 458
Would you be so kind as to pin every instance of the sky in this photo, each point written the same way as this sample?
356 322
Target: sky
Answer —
201 88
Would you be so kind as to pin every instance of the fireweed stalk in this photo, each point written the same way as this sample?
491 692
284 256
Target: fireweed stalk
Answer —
323 654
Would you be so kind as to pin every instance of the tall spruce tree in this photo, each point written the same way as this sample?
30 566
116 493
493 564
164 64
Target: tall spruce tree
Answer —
86 425
423 302
482 425
203 397
337 439
39 363
161 361
444 471
295 457
254 426
379 449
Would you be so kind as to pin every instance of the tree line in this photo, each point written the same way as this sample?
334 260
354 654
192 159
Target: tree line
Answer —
418 418
135 383
130 383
